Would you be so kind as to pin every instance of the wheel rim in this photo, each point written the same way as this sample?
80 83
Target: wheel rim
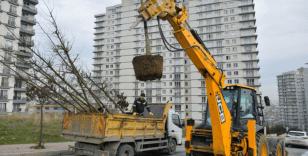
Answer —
126 153
278 151
264 150
172 146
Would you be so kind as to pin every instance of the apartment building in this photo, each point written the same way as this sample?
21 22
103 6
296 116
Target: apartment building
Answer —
227 28
293 95
17 20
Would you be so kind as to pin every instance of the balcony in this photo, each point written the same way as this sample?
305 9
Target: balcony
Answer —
11 24
248 27
6 72
5 85
252 68
24 30
15 2
9 36
12 13
247 12
33 1
19 87
248 20
19 99
4 98
28 9
99 26
252 76
26 42
25 54
249 35
253 84
246 4
22 65
27 20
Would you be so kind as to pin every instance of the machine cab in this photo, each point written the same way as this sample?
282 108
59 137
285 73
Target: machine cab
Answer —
243 103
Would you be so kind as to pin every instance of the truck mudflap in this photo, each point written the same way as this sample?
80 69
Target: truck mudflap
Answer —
88 152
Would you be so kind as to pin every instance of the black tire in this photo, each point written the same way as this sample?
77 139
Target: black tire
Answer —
172 147
125 150
275 146
279 149
262 145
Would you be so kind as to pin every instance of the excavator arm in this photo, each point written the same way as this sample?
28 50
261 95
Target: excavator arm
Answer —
204 62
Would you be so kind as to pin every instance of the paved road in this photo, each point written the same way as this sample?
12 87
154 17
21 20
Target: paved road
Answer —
297 151
293 151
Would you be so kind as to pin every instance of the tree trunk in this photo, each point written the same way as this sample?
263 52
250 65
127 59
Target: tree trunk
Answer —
41 132
146 32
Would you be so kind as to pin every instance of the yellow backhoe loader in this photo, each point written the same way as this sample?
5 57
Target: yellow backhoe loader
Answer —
234 118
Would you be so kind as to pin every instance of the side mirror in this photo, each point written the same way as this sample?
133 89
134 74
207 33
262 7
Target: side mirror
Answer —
267 101
183 125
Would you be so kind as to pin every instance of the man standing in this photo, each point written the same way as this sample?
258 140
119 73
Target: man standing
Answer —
139 104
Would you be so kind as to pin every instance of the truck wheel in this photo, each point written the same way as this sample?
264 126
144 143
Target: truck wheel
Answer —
278 147
125 150
172 147
262 145
275 146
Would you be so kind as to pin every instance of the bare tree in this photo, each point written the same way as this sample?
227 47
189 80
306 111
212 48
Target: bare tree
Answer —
58 68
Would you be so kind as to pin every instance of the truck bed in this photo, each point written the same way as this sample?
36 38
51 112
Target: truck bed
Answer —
101 127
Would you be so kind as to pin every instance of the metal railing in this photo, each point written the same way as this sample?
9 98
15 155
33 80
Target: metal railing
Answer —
3 97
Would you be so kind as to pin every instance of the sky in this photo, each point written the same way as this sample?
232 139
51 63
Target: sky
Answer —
282 28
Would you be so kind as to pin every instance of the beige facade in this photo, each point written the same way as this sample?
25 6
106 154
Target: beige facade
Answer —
232 42
17 18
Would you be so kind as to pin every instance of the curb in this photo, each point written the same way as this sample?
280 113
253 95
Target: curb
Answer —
42 153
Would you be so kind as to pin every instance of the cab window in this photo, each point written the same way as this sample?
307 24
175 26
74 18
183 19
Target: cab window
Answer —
246 107
176 119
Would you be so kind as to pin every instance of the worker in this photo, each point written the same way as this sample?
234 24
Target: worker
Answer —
139 104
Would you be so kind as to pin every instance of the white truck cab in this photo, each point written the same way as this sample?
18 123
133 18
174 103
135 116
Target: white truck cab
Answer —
174 126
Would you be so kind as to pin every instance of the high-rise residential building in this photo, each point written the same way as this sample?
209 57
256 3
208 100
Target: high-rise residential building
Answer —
293 98
226 26
17 20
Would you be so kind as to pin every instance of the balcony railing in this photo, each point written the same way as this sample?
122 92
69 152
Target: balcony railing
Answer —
3 97
29 9
13 1
25 30
20 98
26 19
4 84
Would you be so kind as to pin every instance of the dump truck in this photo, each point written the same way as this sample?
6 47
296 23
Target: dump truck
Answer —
111 134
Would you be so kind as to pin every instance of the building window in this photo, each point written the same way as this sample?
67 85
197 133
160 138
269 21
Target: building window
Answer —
236 81
234 57
186 83
229 81
186 90
235 65
235 72
229 73
203 100
232 18
11 21
202 83
229 65
233 41
228 57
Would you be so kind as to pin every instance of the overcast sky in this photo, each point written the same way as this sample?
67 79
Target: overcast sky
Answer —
282 33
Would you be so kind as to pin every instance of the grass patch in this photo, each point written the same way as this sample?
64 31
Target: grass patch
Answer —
25 129
184 132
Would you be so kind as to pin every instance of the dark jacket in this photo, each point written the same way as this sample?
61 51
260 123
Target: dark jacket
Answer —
139 105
